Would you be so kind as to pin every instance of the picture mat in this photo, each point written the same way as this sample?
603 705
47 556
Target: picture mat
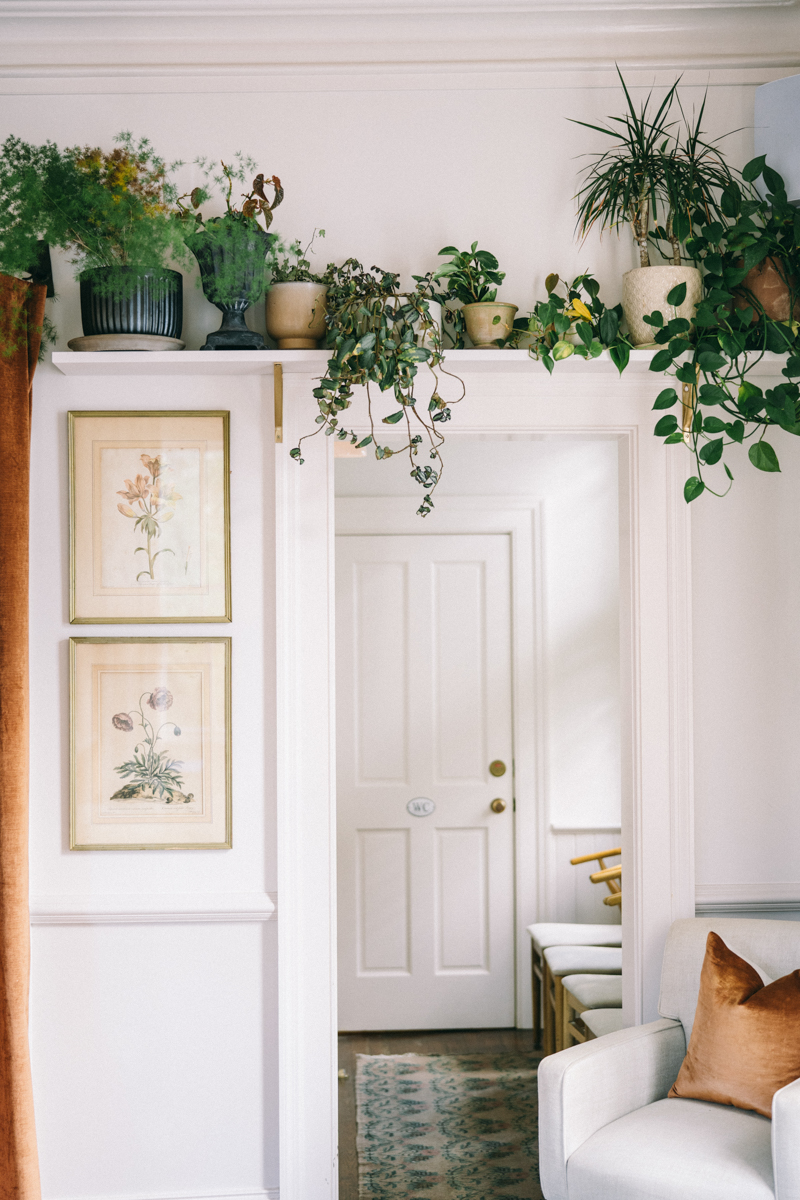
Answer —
191 549
110 682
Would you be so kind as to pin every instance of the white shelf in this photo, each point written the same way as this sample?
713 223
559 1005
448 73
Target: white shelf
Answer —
312 362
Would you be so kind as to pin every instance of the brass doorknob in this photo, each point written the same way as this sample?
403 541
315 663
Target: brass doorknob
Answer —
498 805
497 768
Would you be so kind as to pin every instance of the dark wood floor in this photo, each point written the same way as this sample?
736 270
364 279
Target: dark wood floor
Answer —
455 1041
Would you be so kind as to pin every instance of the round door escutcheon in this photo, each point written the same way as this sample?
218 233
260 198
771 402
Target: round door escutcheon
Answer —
498 805
497 768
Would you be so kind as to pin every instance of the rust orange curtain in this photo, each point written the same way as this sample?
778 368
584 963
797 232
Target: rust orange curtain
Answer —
21 312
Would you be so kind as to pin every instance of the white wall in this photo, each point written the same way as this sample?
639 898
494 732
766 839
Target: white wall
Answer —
459 134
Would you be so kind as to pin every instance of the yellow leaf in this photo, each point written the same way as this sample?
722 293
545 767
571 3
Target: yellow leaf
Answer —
582 311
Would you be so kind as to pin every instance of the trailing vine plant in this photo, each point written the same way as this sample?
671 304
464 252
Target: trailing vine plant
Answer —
381 336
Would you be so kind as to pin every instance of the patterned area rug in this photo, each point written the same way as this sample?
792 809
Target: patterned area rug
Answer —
447 1127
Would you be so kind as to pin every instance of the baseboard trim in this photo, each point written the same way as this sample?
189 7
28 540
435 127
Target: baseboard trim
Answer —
230 908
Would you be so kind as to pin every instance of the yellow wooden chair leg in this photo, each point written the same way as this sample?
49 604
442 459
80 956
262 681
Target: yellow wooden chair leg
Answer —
558 997
549 1015
536 993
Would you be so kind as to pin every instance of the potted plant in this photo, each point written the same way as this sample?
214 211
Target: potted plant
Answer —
577 323
232 250
713 358
295 307
112 212
379 335
473 278
651 169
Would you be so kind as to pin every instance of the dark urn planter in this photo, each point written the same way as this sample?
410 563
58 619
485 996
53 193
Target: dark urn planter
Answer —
132 300
231 261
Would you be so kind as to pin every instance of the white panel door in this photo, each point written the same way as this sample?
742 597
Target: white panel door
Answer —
423 706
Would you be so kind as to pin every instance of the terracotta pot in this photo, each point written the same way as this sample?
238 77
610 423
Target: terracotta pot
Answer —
296 314
645 290
769 285
488 321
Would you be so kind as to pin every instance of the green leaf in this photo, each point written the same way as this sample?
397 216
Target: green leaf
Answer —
774 181
674 438
693 488
762 455
655 319
666 425
677 295
393 418
709 360
753 169
608 326
714 425
620 355
712 452
735 431
666 399
661 361
584 332
562 350
367 439
728 471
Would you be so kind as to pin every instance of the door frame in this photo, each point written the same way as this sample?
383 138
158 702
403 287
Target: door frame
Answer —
657 800
519 518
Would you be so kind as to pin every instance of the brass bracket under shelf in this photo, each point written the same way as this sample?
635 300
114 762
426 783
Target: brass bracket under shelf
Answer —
277 389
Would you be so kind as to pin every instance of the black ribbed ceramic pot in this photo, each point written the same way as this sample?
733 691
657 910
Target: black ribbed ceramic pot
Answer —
132 300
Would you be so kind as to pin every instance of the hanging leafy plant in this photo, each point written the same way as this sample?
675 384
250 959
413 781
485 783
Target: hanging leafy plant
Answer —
380 336
735 324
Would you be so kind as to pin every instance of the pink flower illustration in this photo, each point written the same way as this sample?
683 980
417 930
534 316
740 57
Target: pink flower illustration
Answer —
122 721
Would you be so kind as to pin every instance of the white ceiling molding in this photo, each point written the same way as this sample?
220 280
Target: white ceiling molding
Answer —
172 40
116 9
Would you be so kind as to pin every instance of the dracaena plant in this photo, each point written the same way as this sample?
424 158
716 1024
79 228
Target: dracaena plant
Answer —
380 336
655 167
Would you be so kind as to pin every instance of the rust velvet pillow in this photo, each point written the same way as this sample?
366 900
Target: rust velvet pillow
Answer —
745 1041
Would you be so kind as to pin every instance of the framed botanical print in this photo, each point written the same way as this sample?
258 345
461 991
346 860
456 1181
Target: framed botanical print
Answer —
149 517
150 754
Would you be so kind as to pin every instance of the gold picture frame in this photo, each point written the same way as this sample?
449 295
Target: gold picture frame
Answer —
136 704
149 501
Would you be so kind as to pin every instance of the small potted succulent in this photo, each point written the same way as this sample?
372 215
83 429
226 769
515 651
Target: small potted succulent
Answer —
232 250
473 278
651 169
111 210
295 306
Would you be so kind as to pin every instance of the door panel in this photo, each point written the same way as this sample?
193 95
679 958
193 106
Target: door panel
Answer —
426 920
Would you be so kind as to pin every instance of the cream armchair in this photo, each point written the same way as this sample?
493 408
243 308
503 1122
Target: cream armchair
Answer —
607 1130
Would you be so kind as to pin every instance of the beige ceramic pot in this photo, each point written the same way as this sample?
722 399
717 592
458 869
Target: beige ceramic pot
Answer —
645 290
488 321
296 314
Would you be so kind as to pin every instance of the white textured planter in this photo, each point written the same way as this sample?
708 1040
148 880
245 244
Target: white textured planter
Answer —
645 290
296 314
483 328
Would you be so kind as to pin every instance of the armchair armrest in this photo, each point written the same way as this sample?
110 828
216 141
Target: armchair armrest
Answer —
786 1141
586 1087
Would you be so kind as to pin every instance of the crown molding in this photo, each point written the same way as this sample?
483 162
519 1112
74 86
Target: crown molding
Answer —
710 41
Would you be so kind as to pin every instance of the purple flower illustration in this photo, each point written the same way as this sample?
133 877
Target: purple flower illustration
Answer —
160 699
122 721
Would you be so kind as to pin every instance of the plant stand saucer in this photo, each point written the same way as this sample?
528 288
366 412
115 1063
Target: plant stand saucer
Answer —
125 341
